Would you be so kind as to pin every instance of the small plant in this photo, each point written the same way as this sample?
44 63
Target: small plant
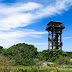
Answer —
34 69
58 70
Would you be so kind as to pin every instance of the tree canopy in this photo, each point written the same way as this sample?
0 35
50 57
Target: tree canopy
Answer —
22 53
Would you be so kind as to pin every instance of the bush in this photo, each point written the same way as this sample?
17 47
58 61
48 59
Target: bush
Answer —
62 60
5 61
23 54
51 55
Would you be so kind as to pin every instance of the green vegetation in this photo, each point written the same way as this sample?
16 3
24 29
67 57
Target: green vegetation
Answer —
25 58
51 55
23 54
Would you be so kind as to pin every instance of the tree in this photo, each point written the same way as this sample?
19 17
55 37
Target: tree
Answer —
23 54
1 47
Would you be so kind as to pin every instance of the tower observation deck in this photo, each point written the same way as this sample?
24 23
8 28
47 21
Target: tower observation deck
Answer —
54 29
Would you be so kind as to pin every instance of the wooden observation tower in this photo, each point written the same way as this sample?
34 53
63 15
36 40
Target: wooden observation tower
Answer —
54 29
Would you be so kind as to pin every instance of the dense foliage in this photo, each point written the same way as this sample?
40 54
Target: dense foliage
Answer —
51 55
69 54
24 54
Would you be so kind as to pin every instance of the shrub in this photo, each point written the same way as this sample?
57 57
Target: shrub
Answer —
23 54
62 60
51 55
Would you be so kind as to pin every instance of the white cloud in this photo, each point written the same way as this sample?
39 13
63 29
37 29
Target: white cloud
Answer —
58 8
14 21
20 33
39 43
19 7
13 37
15 16
21 15
67 37
31 6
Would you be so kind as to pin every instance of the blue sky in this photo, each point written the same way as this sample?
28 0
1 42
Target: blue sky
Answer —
24 21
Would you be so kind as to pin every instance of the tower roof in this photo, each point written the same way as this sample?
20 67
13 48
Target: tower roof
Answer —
56 22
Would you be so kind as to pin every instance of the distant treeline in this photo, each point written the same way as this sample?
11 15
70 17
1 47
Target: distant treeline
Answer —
24 54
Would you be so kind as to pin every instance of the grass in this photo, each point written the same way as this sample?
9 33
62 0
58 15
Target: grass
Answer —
41 69
34 69
8 66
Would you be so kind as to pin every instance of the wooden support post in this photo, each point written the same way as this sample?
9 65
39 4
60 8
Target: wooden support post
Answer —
48 40
57 42
52 40
61 39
